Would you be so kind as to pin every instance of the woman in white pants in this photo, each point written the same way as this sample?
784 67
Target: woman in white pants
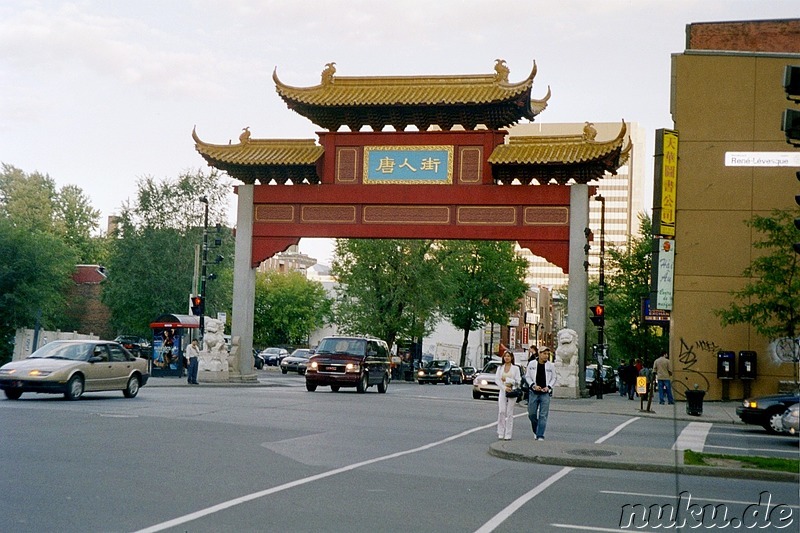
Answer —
507 378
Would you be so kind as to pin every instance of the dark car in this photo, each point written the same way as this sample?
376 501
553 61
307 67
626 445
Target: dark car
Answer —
341 361
440 371
138 346
469 373
766 411
292 362
270 357
609 379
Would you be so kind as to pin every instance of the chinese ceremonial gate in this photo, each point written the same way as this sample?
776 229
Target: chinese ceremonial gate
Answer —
435 183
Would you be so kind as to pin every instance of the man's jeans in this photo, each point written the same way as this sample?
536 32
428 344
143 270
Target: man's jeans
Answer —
665 389
538 408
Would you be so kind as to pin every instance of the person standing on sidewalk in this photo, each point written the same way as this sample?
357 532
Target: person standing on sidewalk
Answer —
192 354
662 367
507 378
541 374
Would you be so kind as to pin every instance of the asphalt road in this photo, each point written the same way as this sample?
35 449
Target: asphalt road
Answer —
278 458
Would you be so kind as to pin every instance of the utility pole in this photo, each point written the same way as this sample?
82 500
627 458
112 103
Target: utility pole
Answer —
601 347
204 200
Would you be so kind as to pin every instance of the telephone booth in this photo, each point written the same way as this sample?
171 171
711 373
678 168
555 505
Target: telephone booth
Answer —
171 335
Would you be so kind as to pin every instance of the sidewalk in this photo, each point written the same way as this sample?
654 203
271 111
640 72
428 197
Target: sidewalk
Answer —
641 459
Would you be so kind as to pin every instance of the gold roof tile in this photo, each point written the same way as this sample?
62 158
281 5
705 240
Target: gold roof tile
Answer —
262 151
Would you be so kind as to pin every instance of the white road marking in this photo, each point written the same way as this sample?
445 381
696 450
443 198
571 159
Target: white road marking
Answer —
674 497
693 437
501 517
260 494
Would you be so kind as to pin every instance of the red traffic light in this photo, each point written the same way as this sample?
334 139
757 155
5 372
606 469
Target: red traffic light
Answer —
598 312
197 305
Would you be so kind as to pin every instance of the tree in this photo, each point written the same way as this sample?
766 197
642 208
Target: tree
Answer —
27 199
627 284
34 278
288 307
77 221
770 300
152 255
483 281
387 288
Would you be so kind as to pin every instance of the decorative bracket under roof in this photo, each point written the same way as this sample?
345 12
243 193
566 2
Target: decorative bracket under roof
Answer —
421 101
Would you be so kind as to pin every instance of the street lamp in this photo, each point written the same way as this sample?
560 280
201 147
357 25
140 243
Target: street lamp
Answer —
204 200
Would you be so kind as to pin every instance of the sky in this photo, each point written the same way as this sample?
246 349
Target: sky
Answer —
103 93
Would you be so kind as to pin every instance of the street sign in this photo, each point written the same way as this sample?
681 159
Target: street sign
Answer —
641 385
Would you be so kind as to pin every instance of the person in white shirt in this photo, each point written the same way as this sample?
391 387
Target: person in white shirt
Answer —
507 378
541 376
192 354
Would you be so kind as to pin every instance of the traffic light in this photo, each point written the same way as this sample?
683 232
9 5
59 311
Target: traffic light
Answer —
198 304
598 315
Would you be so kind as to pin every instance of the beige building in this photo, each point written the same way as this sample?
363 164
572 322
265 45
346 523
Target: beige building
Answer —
624 194
727 96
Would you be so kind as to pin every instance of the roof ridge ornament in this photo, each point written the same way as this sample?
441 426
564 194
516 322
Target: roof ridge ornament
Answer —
244 137
501 71
589 131
328 72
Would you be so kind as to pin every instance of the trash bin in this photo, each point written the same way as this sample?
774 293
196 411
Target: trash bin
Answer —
694 402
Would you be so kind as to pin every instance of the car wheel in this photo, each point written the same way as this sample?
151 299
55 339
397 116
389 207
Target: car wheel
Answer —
74 388
363 383
311 387
384 384
132 389
259 364
773 423
335 388
447 380
476 395
284 370
13 394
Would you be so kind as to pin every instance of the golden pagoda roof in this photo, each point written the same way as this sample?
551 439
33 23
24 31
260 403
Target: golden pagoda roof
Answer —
559 157
241 160
422 101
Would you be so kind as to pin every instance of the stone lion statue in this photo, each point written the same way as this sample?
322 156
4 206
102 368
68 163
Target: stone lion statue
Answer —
567 350
214 356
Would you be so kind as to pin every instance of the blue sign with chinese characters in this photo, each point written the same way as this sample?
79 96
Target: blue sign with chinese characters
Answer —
408 164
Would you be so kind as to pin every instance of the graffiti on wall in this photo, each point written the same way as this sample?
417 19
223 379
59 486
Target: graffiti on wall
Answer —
687 364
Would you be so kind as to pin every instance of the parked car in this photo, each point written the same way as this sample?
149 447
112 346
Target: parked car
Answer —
138 346
349 361
292 362
790 420
766 411
74 367
271 357
608 378
469 374
440 371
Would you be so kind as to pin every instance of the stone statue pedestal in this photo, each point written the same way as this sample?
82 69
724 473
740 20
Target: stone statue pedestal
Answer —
566 392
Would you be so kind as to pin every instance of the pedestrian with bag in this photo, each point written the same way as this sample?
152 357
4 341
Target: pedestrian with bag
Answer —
541 375
193 354
508 378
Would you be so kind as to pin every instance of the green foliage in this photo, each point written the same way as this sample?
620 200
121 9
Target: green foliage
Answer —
77 221
34 278
387 287
770 300
627 284
288 307
482 282
151 261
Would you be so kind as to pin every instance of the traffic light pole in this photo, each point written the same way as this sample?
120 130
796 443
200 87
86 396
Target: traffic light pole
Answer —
204 200
601 297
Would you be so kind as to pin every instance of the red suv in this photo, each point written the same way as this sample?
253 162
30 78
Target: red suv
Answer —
358 362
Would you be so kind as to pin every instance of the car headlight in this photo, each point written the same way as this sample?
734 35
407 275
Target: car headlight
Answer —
439 373
484 382
352 367
39 373
420 373
312 366
8 371
752 404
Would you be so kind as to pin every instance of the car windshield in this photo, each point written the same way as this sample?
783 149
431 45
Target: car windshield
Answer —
590 373
272 350
300 353
346 346
63 350
437 364
490 368
469 369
